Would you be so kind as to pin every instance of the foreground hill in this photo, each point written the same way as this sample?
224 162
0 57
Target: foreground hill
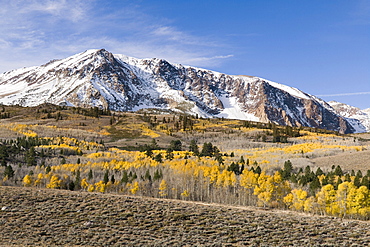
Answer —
54 217
121 83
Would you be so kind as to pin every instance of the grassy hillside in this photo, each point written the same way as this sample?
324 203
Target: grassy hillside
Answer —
168 155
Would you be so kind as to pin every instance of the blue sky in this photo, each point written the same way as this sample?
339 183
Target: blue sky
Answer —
320 47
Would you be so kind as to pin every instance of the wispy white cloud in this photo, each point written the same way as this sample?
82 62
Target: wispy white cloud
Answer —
72 10
35 31
343 94
170 33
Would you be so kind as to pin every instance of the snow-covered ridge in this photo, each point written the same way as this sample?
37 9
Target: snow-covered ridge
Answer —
360 119
99 78
291 90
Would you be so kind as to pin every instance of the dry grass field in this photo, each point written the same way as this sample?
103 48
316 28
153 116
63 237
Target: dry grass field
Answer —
348 161
44 217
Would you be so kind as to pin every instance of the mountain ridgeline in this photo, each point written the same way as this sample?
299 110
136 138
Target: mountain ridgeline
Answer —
121 83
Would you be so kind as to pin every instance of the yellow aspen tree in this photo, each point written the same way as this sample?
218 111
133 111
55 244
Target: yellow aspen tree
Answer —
326 199
128 186
300 197
214 173
281 188
221 178
264 188
363 197
109 186
296 199
54 183
163 188
288 200
248 179
84 184
231 178
358 200
271 189
185 194
226 178
91 188
27 180
308 205
39 179
342 204
100 186
134 188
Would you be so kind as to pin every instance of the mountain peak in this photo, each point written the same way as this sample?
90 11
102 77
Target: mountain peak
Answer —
99 78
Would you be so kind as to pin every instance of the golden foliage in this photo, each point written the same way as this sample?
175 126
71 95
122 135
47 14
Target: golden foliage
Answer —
55 182
163 188
27 180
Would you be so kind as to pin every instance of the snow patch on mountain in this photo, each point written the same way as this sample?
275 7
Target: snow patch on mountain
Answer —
233 110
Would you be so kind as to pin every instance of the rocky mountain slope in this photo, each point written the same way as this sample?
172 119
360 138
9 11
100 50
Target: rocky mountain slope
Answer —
99 78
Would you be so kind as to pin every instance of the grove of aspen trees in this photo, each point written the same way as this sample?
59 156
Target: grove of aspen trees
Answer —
168 155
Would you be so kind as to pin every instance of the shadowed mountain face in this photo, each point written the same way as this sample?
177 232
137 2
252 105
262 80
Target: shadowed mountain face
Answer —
99 78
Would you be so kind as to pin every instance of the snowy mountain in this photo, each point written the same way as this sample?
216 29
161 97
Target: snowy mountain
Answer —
99 78
358 118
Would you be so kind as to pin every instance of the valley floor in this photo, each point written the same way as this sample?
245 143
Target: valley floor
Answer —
45 217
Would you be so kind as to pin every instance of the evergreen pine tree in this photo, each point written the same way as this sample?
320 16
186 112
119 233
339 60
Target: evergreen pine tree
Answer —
124 179
77 183
158 158
307 170
106 177
258 170
148 176
319 172
71 185
314 185
347 178
359 174
31 157
193 147
242 161
293 178
338 171
365 182
176 145
63 161
48 169
90 175
353 173
325 181
368 173
207 149
241 169
9 172
357 181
